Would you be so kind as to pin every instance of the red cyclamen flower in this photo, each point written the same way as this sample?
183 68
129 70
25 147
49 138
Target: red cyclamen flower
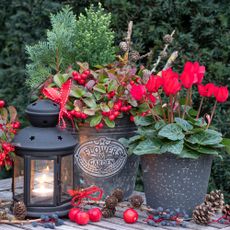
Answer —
171 84
193 73
154 83
221 93
207 90
138 92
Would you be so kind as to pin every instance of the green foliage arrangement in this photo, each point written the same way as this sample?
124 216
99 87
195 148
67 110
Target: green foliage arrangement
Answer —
95 39
57 52
87 39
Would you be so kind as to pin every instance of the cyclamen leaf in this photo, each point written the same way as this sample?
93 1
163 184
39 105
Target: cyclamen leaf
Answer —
183 124
174 147
124 142
143 121
159 124
172 132
207 137
148 147
226 143
189 153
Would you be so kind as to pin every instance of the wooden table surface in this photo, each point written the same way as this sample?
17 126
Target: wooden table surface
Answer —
115 223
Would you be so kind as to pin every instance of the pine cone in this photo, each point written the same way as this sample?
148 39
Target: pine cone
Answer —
163 54
123 46
111 202
202 214
226 211
168 39
107 213
134 55
119 194
215 199
3 215
19 210
136 201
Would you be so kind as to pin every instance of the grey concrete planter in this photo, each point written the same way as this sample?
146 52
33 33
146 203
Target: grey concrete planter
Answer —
172 182
100 159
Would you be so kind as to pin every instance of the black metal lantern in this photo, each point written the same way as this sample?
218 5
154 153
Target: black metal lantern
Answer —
43 167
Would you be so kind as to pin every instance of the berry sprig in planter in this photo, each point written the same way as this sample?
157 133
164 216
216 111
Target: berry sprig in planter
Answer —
8 128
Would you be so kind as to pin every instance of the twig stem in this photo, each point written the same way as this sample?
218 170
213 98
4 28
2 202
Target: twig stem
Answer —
199 110
159 57
212 114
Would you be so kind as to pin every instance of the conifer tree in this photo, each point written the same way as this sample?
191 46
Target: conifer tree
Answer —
87 40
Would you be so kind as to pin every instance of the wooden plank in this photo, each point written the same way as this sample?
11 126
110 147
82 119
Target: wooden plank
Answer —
5 184
90 227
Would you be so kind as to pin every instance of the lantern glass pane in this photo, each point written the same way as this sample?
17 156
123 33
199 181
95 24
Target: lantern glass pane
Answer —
66 177
18 178
42 182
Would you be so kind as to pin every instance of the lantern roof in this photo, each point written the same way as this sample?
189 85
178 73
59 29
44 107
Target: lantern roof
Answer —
44 139
44 134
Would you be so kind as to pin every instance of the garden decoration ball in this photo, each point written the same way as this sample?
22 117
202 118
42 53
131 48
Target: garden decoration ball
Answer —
130 216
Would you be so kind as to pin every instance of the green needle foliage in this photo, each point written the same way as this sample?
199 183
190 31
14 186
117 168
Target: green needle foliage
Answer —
87 40
57 52
95 41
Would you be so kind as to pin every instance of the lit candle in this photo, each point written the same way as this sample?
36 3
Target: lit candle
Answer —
44 186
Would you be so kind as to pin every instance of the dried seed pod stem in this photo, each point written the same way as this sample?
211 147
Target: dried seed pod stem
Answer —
159 57
129 34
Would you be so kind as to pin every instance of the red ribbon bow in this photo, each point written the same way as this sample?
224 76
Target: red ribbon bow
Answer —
61 98
90 193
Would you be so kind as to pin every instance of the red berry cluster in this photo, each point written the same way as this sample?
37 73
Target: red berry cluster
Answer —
116 110
83 218
78 114
111 94
7 149
81 77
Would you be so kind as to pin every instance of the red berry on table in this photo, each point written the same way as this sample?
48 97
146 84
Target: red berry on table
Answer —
16 125
95 214
72 213
82 218
75 73
2 103
130 216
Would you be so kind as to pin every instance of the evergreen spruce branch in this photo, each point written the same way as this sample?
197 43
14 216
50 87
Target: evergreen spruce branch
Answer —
159 57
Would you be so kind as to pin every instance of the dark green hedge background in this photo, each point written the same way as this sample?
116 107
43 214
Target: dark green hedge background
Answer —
202 33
